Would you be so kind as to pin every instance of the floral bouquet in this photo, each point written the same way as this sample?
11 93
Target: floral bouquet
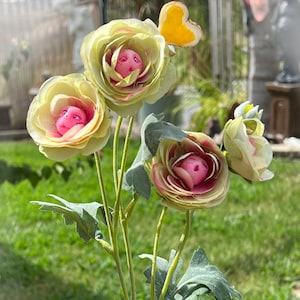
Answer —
127 63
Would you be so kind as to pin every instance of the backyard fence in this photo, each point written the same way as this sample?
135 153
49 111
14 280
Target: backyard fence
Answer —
36 42
228 42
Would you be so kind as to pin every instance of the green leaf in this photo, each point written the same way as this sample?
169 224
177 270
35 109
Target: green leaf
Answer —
200 293
162 267
200 281
201 274
85 215
153 130
138 178
157 129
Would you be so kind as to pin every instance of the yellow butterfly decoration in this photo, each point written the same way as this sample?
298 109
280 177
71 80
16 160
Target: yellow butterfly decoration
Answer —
175 26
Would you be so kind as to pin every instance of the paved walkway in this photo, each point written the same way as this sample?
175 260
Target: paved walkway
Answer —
287 151
289 148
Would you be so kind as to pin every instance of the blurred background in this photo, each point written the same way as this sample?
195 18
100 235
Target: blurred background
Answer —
40 38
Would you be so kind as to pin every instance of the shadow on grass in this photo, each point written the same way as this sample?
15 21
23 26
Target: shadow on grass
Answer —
22 280
15 174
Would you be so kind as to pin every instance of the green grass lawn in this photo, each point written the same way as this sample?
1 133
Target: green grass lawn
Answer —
253 236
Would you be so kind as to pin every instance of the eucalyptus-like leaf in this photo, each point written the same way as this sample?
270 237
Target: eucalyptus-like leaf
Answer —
85 215
138 178
200 293
201 274
153 130
159 129
162 268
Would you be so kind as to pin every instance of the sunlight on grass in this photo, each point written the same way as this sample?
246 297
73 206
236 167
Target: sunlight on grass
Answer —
253 236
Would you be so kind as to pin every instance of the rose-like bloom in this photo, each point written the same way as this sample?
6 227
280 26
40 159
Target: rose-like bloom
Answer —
68 117
128 60
191 174
248 153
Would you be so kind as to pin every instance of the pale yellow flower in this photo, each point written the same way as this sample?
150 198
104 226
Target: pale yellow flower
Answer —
68 117
148 78
248 153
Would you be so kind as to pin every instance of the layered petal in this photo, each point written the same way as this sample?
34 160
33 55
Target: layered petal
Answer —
191 174
68 117
128 61
248 153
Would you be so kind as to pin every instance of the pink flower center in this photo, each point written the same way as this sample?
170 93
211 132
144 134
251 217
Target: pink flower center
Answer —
69 117
128 61
196 167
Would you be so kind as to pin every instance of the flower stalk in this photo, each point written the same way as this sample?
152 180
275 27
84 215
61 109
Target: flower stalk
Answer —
182 242
111 231
103 195
115 151
119 215
155 249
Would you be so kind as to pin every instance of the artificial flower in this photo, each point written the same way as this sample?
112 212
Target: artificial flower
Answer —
248 153
68 117
129 62
191 174
248 111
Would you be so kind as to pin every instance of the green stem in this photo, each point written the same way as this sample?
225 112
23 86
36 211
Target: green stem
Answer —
114 250
129 257
180 247
124 219
118 209
120 272
106 246
155 250
103 195
115 151
130 206
124 224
